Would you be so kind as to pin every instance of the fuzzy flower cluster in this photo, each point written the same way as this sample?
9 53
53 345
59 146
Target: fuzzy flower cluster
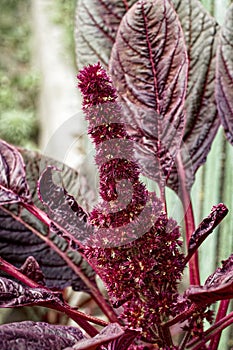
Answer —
140 274
141 277
124 196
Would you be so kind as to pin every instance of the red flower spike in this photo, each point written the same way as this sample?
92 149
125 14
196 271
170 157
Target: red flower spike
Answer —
140 267
119 174
96 86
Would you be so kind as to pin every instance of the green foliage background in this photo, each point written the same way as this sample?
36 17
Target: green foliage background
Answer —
19 81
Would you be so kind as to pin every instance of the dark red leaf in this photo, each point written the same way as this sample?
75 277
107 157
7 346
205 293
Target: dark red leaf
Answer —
32 269
222 275
206 227
111 332
224 73
218 286
37 335
201 35
13 183
97 22
148 66
61 207
13 294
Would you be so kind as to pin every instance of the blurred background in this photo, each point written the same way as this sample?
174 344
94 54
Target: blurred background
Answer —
37 74
19 79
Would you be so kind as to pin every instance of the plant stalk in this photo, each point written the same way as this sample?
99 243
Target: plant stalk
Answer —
196 343
194 276
184 341
182 316
222 311
58 305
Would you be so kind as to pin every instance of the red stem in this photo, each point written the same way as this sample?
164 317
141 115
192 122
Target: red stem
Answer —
58 305
189 222
222 311
97 296
65 308
162 195
13 271
182 316
211 332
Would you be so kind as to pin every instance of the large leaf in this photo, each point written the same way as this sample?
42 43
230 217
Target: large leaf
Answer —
201 34
13 184
21 232
148 66
18 242
74 183
218 286
224 73
37 335
97 22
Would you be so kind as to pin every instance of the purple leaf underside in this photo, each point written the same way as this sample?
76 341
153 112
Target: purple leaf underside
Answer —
13 183
18 240
74 183
61 207
37 335
224 74
201 35
13 294
148 66
97 22
218 286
